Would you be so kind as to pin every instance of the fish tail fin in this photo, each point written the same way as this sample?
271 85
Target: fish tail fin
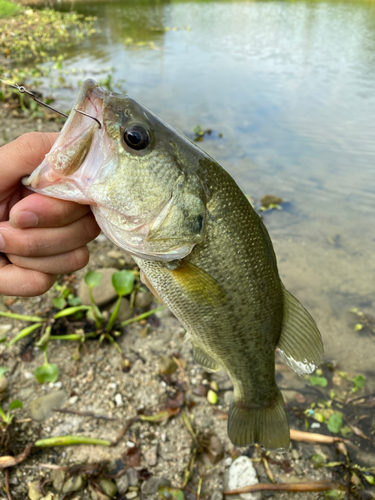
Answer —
268 426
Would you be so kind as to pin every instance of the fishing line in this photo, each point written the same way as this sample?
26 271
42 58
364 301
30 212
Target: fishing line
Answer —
23 90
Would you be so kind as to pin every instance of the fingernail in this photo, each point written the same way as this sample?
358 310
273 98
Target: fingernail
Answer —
2 243
24 219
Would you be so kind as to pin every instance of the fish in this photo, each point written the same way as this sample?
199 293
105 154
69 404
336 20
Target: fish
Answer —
201 247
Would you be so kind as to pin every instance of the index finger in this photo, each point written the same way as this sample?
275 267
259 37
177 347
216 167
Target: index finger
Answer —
21 156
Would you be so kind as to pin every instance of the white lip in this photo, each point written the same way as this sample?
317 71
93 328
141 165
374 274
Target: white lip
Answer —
73 144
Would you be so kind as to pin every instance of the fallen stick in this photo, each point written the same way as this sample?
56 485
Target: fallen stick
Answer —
312 437
9 461
312 486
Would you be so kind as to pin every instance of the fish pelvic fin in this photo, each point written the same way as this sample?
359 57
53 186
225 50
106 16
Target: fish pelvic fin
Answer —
300 343
267 426
202 358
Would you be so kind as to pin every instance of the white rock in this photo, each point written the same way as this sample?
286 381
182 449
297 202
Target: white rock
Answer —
241 474
118 400
73 400
4 329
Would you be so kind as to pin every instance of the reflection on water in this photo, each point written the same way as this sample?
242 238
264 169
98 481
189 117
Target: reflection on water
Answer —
291 86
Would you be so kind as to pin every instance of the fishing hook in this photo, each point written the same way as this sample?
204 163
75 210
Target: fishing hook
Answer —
83 113
22 90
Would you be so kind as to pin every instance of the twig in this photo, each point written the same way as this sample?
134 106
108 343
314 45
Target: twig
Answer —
7 484
366 396
312 437
312 486
122 433
9 461
83 414
141 316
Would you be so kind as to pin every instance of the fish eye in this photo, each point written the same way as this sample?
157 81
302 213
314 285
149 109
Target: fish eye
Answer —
136 137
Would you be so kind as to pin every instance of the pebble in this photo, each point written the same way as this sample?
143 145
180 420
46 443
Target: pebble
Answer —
73 400
242 473
122 484
151 485
215 451
132 495
41 408
295 454
143 299
3 384
103 293
217 495
151 456
118 400
64 484
109 487
167 450
167 365
125 310
4 329
132 476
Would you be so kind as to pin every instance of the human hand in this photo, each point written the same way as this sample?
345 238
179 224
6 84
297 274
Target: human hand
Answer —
40 237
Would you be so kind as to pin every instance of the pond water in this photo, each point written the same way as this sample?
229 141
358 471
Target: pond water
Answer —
291 87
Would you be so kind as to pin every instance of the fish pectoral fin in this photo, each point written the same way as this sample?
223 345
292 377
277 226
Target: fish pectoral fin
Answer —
300 343
197 284
146 281
205 360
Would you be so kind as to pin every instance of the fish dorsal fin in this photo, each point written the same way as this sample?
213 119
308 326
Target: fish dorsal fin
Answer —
300 343
204 359
198 285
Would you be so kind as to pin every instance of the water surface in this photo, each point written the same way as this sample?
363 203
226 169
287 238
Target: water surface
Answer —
291 86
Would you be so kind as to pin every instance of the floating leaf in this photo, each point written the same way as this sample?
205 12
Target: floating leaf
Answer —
335 423
46 373
322 381
123 282
15 404
92 278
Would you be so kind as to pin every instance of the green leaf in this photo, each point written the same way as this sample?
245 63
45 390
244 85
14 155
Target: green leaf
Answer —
59 302
93 278
74 301
335 423
358 327
168 493
370 479
3 370
322 381
15 404
346 431
123 282
46 373
334 494
359 382
318 460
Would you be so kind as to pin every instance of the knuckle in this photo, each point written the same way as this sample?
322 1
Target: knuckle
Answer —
79 259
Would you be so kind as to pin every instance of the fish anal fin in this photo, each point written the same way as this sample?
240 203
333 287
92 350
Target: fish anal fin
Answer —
267 426
205 360
197 284
300 343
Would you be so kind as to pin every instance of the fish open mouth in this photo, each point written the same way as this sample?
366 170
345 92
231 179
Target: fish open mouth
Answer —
63 164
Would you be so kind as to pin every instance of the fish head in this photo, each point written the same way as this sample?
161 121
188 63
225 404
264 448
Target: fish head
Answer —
139 175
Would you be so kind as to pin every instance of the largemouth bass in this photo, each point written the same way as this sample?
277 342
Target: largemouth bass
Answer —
201 248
